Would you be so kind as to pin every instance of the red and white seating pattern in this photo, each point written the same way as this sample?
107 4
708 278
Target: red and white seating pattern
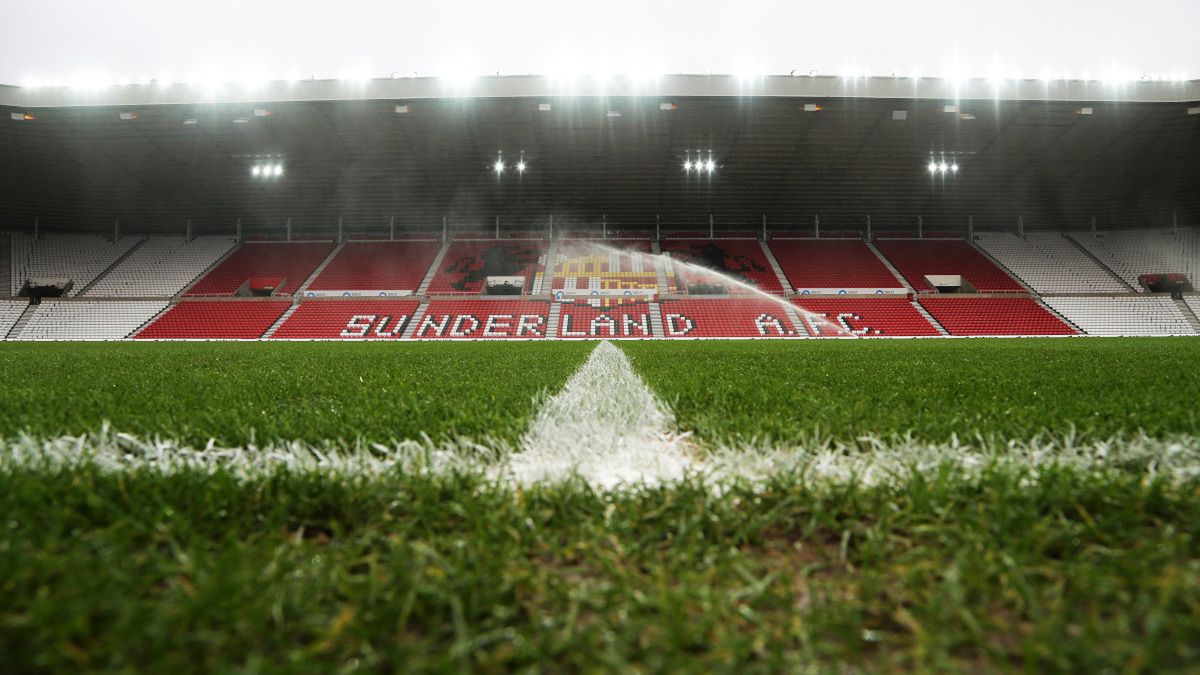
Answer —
581 266
377 266
88 319
467 264
728 317
1049 263
916 258
870 316
965 315
347 320
579 320
829 265
742 259
215 320
483 320
161 267
291 261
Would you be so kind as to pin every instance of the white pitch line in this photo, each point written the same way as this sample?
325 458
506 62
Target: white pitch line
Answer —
605 427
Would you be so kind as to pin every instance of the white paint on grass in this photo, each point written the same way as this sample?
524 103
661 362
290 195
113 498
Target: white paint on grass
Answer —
605 427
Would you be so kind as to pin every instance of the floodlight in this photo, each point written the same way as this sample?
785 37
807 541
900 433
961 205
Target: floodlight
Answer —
498 167
521 166
256 171
954 168
710 165
933 167
942 167
687 166
278 170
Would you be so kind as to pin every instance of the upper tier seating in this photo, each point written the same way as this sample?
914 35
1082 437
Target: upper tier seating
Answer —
10 311
611 265
1128 315
579 320
80 257
89 319
347 320
468 264
915 258
291 261
743 260
1133 253
966 315
162 267
377 266
483 319
832 265
1049 263
752 317
1194 303
216 320
866 316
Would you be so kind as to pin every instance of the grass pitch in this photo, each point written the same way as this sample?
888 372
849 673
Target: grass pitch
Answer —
1012 566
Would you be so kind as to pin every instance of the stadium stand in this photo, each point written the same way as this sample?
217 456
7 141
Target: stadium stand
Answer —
1048 262
88 319
831 265
580 320
585 266
468 264
741 259
161 267
10 311
1134 252
347 320
215 320
483 319
79 257
916 258
867 316
377 266
292 262
967 315
1127 315
727 317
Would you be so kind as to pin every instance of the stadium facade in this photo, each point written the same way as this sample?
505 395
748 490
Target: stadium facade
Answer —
527 207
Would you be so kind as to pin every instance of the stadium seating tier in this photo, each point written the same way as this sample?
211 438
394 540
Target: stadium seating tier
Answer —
832 265
467 264
865 316
483 320
291 261
347 320
215 320
743 260
965 315
750 317
377 266
916 258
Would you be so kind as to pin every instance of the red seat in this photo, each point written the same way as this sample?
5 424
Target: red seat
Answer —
727 317
832 265
467 264
377 266
873 316
580 320
964 315
338 319
293 262
483 319
916 258
216 320
742 259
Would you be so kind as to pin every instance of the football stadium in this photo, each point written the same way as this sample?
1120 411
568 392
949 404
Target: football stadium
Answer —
638 373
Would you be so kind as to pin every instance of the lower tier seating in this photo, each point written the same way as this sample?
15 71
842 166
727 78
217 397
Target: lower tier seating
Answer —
468 264
483 320
377 266
832 265
347 320
743 260
79 257
89 319
579 320
216 320
994 316
161 267
727 317
863 316
10 311
917 258
1128 315
291 261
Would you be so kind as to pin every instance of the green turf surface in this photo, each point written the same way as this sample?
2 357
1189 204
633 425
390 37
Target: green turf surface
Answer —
125 572
777 391
310 391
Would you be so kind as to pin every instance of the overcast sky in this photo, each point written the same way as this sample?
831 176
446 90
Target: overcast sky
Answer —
115 39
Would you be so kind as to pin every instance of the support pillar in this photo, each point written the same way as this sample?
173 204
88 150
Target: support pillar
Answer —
1093 222
551 225
970 226
868 227
237 230
920 227
497 225
37 227
764 221
339 239
289 229
817 225
1021 226
116 229
392 228
188 233
604 226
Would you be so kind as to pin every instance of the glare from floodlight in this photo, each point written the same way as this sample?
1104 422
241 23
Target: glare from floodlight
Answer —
933 167
256 171
942 167
278 171
521 166
687 166
498 167
710 165
954 168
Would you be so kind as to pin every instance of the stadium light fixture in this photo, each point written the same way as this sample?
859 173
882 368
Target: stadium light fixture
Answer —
498 166
710 165
521 166
933 167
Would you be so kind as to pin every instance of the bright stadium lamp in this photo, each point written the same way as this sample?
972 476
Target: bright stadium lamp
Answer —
277 171
942 167
521 166
954 168
933 167
687 166
498 167
256 171
710 165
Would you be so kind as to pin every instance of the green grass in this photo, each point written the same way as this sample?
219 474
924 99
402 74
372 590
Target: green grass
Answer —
1013 568
232 392
785 392
192 573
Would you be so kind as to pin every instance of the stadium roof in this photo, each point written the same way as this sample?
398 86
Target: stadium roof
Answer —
1054 153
